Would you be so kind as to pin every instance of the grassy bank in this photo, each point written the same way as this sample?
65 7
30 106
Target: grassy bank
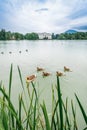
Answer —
32 115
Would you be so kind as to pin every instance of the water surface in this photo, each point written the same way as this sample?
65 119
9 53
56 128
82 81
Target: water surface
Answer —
51 55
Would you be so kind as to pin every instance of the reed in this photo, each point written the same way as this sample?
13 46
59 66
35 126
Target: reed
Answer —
47 122
32 115
74 116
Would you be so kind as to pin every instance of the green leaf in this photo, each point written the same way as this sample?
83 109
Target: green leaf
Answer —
66 114
34 120
10 80
74 116
4 119
20 77
11 107
82 110
46 116
60 104
20 98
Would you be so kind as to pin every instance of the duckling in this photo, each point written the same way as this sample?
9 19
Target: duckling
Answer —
67 69
59 73
39 69
30 78
45 74
2 52
10 52
19 51
26 50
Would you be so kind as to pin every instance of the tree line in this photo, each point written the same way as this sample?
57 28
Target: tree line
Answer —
8 35
70 36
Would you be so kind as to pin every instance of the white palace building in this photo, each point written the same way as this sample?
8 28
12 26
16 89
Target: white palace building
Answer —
45 36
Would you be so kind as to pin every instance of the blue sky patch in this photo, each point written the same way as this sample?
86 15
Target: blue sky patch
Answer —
58 15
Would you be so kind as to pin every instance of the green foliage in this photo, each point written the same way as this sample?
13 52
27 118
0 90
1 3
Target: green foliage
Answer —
67 122
72 36
2 34
60 104
46 116
8 35
74 117
17 36
34 116
82 109
31 36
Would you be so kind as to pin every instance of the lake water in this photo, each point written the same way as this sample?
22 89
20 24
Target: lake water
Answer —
53 56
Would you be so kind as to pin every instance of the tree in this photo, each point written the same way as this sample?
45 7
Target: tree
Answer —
31 36
18 36
2 35
8 35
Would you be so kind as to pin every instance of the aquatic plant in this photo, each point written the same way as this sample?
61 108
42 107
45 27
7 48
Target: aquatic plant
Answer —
33 115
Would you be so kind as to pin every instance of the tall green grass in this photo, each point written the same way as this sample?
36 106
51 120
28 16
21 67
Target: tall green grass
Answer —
33 115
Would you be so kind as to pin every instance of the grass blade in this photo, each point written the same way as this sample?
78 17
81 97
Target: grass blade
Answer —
82 110
34 120
34 90
29 112
4 119
7 98
10 80
11 107
20 98
66 114
54 112
10 83
20 77
46 116
60 104
85 128
24 107
74 116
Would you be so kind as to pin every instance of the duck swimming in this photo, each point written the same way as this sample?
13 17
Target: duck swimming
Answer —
30 78
2 52
19 51
39 69
26 50
66 69
10 52
45 74
59 73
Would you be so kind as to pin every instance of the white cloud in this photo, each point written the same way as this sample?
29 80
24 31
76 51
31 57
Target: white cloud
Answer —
49 16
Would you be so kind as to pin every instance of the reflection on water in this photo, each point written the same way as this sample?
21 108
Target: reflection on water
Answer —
51 55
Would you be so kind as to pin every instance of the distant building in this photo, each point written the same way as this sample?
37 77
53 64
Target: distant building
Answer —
45 36
13 37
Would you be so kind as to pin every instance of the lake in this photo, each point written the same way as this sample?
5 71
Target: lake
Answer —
52 55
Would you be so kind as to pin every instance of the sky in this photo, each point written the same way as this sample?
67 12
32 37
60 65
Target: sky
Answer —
53 16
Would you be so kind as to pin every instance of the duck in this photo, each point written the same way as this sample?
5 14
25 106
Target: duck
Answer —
45 74
30 78
59 73
66 69
10 52
19 51
39 69
26 50
2 52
